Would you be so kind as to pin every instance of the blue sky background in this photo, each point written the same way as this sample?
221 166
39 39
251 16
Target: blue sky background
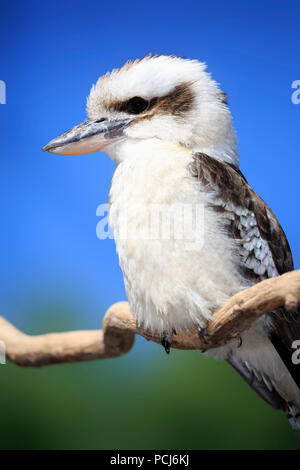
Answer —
55 273
51 54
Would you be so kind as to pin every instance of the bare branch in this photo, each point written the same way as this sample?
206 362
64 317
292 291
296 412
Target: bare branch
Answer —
120 326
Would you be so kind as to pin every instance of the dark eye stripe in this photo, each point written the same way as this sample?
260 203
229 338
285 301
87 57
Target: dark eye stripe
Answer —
135 105
177 102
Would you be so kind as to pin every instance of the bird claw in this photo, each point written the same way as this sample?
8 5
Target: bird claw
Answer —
166 344
202 333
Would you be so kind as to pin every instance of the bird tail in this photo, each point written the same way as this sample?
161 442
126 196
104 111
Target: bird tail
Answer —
264 388
293 415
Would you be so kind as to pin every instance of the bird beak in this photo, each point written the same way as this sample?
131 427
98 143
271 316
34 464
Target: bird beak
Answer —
88 136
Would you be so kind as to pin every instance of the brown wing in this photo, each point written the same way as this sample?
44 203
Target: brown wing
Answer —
262 245
265 251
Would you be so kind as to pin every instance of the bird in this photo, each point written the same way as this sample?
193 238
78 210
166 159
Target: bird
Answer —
166 124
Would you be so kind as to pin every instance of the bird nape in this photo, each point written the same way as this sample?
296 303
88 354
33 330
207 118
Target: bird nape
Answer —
165 123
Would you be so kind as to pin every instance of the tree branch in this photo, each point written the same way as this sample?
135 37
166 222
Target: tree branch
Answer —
120 326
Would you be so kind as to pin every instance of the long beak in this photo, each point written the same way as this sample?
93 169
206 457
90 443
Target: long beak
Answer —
88 136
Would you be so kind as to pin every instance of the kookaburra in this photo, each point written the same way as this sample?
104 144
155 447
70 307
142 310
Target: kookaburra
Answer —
166 124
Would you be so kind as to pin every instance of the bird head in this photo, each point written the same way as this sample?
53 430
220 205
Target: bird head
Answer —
166 98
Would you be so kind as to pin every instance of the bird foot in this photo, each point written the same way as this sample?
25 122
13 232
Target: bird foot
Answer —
202 333
166 342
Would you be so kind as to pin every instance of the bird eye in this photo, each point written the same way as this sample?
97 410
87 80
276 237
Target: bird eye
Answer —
136 105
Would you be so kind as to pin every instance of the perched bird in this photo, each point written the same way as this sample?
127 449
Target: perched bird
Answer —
167 126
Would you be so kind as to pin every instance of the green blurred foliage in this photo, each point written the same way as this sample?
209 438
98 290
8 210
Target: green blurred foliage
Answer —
144 400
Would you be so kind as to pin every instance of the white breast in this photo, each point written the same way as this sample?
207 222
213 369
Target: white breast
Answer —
170 283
